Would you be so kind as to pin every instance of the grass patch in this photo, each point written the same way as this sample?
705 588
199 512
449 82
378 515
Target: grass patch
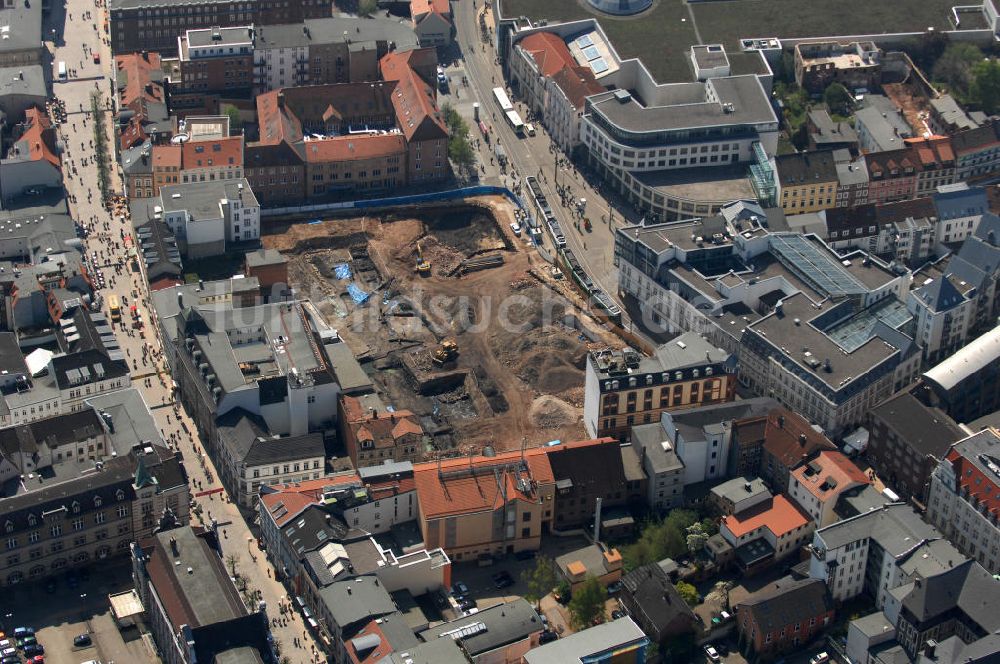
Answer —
727 21
662 40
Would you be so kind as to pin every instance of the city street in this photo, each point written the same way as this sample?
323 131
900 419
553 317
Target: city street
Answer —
534 155
73 31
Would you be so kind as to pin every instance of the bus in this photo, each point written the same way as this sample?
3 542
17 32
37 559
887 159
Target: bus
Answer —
502 101
115 309
515 122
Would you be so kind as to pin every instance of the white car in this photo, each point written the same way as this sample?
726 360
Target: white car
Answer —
712 653
516 227
530 128
821 658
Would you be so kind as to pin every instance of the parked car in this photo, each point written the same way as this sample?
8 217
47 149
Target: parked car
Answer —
9 652
26 641
712 653
34 649
21 632
530 129
516 227
82 640
459 589
820 658
617 613
547 637
503 580
614 588
466 603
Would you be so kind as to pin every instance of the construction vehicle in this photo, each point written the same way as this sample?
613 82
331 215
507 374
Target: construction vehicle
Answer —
447 351
423 267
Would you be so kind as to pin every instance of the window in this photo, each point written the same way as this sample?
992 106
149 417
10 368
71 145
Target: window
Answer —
122 511
56 530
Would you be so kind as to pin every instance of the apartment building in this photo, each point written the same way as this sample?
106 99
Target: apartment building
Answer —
817 484
877 552
322 51
893 175
767 533
977 151
623 389
32 160
962 500
212 64
154 25
194 611
854 65
94 480
907 440
807 181
469 518
937 162
881 125
373 435
784 616
788 442
738 495
139 85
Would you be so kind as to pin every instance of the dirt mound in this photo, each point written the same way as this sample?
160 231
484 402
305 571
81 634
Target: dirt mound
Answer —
549 412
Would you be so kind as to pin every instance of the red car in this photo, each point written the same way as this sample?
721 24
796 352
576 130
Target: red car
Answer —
38 659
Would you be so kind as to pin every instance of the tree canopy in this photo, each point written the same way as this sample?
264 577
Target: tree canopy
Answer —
587 604
540 579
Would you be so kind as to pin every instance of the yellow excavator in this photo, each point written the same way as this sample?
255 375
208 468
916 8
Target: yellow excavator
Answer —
447 351
422 267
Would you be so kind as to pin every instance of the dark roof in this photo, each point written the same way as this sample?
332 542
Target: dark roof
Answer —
246 437
804 167
656 597
967 587
504 624
790 438
11 357
973 139
593 469
354 602
313 528
926 430
787 601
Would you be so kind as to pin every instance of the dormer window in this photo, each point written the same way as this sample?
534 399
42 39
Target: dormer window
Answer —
76 507
120 495
97 501
9 526
32 520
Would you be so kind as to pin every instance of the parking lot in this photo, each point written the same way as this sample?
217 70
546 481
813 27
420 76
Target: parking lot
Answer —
63 610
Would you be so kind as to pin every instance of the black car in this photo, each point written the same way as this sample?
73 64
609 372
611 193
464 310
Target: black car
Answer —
617 613
82 641
547 637
466 603
459 589
34 649
503 580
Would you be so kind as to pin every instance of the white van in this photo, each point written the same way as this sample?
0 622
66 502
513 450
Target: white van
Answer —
530 128
62 70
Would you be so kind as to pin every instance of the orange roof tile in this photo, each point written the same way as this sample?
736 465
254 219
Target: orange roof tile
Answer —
40 137
417 114
212 152
829 474
549 52
781 517
790 438
165 156
135 69
286 505
468 485
577 83
351 148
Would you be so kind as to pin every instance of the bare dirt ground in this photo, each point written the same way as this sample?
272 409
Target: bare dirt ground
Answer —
519 373
914 105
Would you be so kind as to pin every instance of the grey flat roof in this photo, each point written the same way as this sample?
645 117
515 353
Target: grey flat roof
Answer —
735 489
873 624
331 31
576 647
688 350
504 624
27 80
21 24
896 527
202 199
350 375
357 599
232 35
686 106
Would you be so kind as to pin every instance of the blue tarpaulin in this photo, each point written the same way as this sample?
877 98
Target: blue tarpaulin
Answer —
358 295
342 271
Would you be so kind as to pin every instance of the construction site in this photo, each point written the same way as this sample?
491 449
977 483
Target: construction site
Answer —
455 318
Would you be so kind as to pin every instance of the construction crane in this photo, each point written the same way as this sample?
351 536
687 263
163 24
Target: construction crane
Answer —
423 267
447 351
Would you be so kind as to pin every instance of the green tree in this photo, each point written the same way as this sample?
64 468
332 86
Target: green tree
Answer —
233 562
710 526
838 99
954 67
367 7
235 121
688 593
540 580
696 538
459 147
564 589
985 89
587 604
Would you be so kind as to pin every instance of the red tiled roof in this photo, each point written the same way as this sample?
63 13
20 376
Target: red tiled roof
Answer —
465 486
577 83
549 52
40 137
790 438
167 155
420 7
780 516
135 69
829 474
350 148
212 152
413 99
933 150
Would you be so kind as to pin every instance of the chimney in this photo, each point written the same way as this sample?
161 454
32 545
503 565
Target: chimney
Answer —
781 421
281 100
803 440
348 590
173 546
